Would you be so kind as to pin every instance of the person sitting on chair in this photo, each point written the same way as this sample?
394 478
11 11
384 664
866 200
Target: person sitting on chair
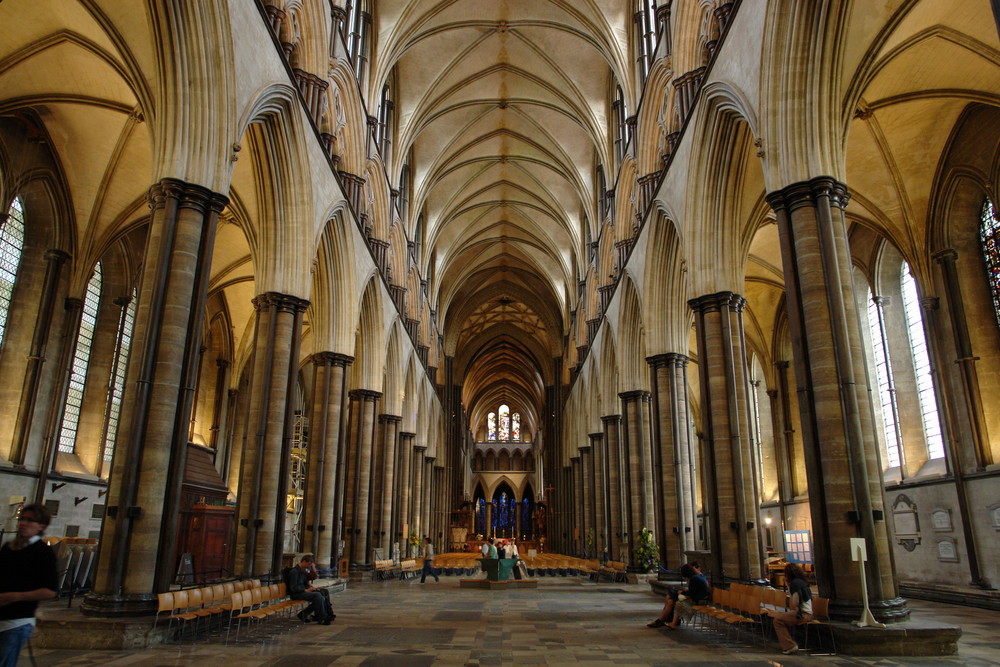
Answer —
679 603
800 605
299 588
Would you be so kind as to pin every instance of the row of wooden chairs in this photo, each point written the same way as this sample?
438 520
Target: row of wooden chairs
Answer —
745 607
260 604
192 606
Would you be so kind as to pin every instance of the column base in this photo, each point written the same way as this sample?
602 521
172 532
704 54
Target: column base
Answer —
893 610
912 638
118 606
60 628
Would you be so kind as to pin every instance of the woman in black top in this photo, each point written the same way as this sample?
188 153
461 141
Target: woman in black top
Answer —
800 606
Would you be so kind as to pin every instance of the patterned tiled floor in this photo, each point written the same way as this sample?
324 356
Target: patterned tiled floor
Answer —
565 621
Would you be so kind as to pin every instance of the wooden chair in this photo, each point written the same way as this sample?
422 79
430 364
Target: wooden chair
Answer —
821 619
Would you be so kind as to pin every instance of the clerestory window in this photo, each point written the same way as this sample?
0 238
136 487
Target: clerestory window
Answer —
81 363
989 235
11 246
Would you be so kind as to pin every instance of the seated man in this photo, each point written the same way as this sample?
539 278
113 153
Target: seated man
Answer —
299 588
679 603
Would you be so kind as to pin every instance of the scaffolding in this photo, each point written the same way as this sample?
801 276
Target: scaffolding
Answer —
297 482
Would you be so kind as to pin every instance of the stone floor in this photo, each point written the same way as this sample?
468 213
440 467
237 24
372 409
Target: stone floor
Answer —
565 621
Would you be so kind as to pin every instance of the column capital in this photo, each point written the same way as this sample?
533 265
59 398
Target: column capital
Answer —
881 301
594 437
188 195
222 363
930 303
331 359
611 419
782 364
388 419
674 359
634 395
280 302
807 193
584 449
365 395
407 435
946 256
53 254
710 303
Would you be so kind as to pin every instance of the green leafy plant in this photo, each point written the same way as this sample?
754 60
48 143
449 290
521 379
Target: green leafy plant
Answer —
646 553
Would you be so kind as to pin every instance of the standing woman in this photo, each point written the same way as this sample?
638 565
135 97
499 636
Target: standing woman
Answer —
800 605
428 560
27 575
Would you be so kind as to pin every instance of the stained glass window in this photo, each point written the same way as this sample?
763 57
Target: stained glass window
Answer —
81 362
504 433
922 365
116 387
491 426
515 426
989 233
883 372
11 245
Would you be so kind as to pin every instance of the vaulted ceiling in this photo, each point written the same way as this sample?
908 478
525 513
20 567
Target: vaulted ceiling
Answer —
503 118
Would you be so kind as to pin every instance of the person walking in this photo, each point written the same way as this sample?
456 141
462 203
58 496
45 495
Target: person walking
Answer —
428 561
27 576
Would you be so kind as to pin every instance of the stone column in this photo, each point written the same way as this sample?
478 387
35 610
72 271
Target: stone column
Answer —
673 429
325 487
602 537
57 400
219 403
54 260
575 518
136 552
587 489
638 457
845 488
260 534
930 306
731 475
419 527
362 433
970 404
389 481
406 483
616 489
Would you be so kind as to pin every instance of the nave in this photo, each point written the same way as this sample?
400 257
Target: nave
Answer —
562 622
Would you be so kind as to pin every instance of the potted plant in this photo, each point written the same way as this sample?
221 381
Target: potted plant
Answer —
646 554
414 541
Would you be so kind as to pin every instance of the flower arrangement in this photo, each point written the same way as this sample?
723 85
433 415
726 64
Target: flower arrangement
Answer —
413 540
646 554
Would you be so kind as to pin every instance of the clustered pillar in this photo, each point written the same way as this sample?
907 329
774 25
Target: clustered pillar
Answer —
136 553
837 425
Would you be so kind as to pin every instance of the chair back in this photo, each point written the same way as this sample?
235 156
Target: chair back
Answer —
821 607
194 597
219 593
256 596
207 595
181 600
229 588
282 590
164 602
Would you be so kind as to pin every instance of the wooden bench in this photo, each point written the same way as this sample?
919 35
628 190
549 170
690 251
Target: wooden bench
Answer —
409 567
385 569
613 570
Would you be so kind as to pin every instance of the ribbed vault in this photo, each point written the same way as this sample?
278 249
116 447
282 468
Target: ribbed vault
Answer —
503 119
